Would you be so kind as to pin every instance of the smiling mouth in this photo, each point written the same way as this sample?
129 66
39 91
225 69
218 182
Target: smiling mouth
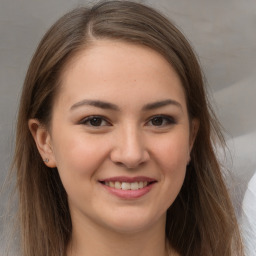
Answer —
128 188
127 185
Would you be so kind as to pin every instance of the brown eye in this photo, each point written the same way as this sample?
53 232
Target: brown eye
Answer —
157 121
161 121
95 121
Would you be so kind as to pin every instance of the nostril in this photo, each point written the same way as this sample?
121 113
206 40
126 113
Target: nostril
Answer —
127 162
120 164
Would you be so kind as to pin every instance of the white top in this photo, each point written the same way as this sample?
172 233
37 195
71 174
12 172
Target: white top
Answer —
249 218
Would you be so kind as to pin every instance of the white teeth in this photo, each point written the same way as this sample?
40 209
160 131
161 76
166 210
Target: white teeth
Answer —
134 186
112 184
126 185
117 185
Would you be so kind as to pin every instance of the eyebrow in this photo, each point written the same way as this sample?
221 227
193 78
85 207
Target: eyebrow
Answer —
111 106
162 103
95 103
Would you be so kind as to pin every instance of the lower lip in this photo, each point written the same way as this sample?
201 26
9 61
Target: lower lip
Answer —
129 194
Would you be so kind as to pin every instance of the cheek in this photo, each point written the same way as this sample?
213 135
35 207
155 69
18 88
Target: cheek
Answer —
172 154
78 156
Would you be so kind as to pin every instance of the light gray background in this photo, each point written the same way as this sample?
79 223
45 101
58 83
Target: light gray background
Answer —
222 33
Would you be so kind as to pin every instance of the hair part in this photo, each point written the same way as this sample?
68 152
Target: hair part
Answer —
201 221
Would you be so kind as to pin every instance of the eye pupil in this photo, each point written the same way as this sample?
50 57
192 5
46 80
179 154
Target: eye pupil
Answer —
96 121
157 121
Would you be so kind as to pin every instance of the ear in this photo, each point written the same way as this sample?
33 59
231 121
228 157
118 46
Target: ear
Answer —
43 142
194 127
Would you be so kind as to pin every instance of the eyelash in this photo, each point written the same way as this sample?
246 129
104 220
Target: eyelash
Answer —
87 120
165 120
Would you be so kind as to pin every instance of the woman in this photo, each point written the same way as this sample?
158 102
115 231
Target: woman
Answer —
114 151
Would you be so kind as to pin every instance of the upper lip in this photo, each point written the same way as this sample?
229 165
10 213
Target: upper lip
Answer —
128 179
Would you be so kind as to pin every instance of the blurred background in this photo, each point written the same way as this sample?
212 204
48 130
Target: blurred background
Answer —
221 32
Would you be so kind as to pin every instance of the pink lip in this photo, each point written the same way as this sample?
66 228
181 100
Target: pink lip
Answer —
128 179
129 194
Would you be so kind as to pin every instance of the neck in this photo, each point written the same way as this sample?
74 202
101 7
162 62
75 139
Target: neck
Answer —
90 239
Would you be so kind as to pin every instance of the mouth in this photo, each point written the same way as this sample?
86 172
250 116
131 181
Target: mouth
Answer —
127 185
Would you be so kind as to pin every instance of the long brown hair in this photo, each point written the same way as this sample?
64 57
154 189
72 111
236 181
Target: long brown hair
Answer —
201 221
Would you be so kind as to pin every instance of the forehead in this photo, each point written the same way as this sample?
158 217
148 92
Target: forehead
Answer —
117 70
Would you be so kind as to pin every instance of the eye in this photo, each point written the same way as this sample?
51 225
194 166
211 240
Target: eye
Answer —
161 120
94 121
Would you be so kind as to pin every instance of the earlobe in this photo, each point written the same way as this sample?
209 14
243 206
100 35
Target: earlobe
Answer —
43 142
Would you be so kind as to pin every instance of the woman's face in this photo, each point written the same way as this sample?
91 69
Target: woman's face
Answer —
120 136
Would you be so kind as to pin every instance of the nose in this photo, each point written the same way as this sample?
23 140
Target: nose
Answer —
129 149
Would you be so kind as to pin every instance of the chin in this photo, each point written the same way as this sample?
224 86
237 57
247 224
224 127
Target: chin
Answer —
131 223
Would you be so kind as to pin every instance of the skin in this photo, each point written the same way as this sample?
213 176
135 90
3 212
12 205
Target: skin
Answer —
129 140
